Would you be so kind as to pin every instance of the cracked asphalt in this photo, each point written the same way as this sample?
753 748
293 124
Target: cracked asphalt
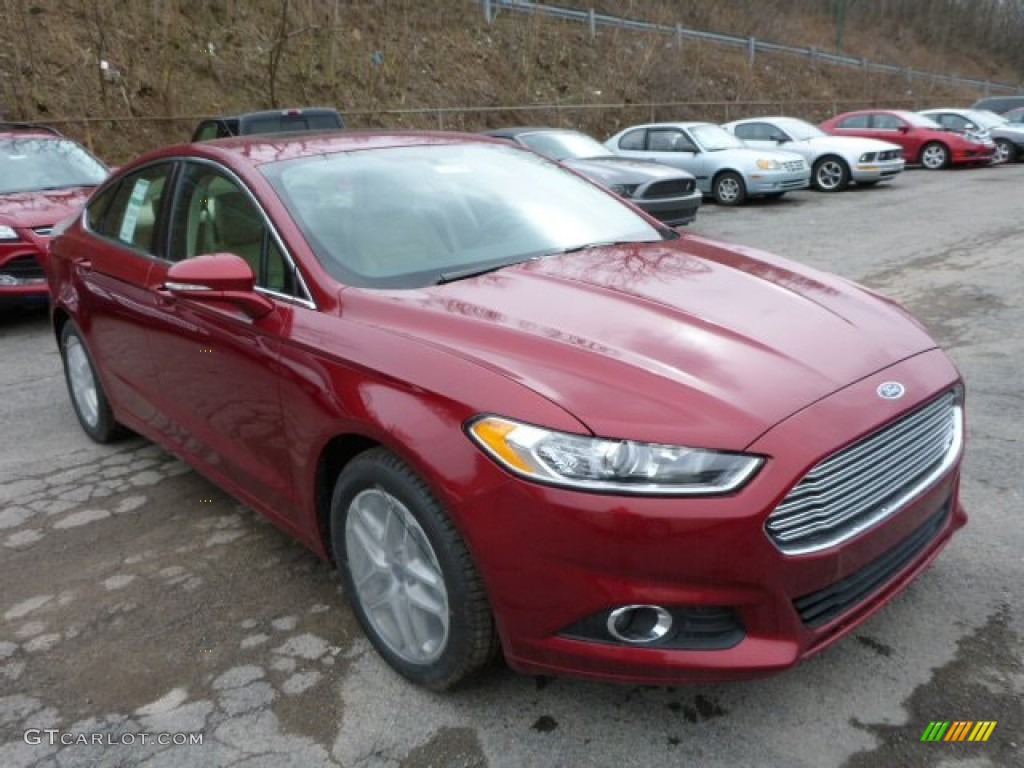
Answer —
135 597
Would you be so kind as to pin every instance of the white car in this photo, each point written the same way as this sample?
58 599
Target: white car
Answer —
725 167
835 160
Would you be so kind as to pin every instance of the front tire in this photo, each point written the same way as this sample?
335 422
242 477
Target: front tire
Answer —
408 574
830 174
87 396
1006 152
935 156
729 189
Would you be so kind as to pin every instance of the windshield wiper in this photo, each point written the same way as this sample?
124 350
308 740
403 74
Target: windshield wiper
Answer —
462 274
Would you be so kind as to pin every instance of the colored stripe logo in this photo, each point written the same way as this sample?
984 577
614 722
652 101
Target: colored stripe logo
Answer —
958 730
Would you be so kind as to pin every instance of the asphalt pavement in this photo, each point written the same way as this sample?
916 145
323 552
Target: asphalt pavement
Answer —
140 604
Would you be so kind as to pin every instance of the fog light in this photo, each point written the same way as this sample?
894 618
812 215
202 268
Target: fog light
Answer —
638 624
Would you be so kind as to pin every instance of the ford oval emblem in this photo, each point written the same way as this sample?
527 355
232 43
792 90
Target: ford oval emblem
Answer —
891 390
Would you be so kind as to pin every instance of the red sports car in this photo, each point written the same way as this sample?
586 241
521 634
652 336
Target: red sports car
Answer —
44 178
516 412
923 140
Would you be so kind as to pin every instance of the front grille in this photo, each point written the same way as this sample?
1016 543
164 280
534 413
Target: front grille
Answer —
669 188
23 268
794 165
822 606
890 154
43 231
866 482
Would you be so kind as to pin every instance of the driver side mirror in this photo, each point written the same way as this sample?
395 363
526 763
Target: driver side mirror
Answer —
904 129
219 277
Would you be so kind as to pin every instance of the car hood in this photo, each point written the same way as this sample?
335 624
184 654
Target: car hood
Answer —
42 208
849 143
624 170
684 341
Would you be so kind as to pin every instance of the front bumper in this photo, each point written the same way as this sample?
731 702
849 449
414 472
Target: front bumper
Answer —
22 275
673 211
981 156
877 171
551 558
773 182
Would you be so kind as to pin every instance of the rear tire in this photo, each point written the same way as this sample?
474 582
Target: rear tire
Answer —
408 574
935 156
87 396
728 188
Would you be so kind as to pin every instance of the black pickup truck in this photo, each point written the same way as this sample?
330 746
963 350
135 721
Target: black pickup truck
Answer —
270 121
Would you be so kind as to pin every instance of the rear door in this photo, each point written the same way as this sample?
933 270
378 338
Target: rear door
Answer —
111 261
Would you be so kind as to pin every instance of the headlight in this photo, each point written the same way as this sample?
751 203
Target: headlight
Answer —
625 190
7 233
768 164
868 157
620 466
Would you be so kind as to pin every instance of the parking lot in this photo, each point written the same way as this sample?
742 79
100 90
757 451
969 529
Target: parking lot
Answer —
136 598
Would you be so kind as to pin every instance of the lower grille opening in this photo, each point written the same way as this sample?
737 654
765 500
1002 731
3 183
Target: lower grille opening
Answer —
820 607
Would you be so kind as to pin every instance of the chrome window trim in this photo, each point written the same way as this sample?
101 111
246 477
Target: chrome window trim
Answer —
306 299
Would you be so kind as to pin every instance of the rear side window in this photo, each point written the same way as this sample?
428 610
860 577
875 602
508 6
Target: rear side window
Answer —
854 121
887 123
633 140
132 215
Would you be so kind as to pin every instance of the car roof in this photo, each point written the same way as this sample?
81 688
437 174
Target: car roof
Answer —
520 130
29 129
275 113
258 149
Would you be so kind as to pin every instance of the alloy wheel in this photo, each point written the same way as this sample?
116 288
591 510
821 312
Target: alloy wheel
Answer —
397 577
82 380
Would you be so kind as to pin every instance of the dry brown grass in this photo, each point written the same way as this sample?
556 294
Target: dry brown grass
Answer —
375 58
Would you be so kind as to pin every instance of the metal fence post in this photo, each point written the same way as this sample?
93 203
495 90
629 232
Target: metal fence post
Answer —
592 23
751 50
488 11
679 36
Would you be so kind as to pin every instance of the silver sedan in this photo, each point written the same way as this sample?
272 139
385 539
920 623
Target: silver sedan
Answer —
835 160
726 169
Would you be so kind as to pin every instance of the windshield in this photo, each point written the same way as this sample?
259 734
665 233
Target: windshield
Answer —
985 119
712 138
563 145
800 130
31 164
407 217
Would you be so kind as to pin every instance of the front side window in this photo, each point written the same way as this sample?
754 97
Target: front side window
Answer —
714 138
133 214
213 214
407 217
887 123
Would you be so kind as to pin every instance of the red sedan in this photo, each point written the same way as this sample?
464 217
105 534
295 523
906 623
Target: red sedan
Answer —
520 415
923 140
44 178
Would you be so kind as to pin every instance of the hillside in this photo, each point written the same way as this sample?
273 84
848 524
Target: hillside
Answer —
439 64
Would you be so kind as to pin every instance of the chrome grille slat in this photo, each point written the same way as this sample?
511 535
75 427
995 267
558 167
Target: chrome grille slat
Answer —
824 484
864 483
911 423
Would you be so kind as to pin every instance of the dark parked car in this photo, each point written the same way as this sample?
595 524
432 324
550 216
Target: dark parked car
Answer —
516 413
44 178
923 140
999 104
667 193
269 121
